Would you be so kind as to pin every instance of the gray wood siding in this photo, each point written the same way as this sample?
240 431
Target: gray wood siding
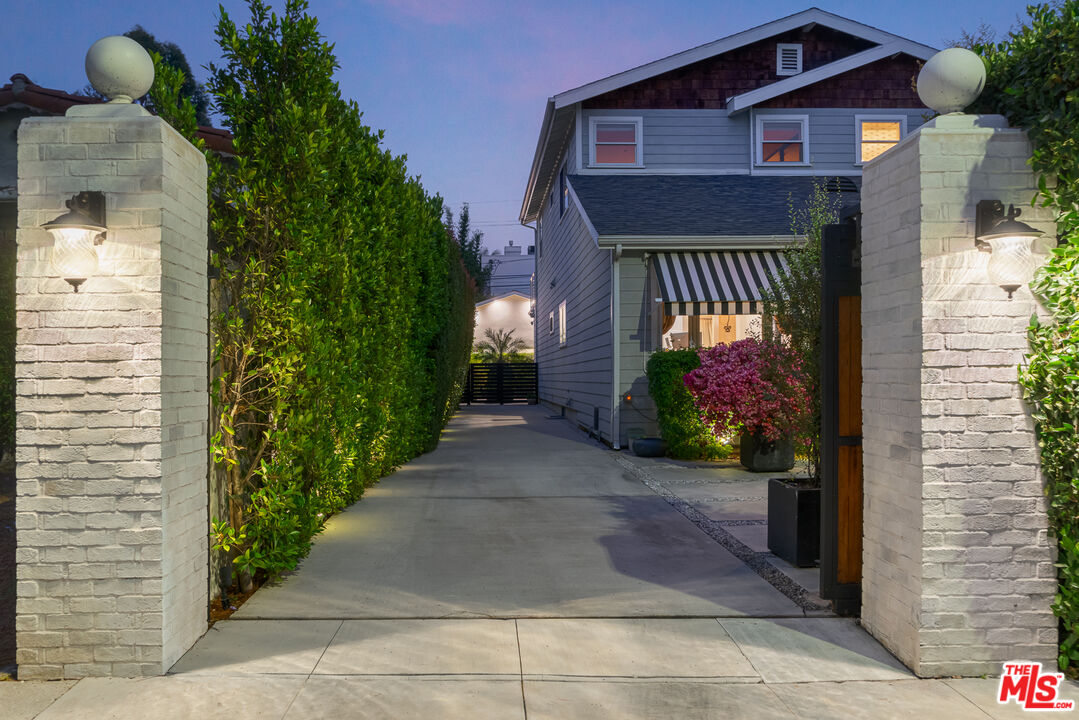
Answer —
832 134
577 376
711 141
683 139
639 334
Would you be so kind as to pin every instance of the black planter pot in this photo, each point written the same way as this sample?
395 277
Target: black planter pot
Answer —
650 447
794 522
760 455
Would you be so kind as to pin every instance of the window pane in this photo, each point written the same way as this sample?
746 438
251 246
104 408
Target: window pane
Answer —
781 152
880 132
616 154
871 150
616 132
781 131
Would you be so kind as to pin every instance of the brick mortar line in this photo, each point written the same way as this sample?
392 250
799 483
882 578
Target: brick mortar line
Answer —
753 560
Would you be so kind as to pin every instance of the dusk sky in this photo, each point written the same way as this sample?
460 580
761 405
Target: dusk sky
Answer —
460 85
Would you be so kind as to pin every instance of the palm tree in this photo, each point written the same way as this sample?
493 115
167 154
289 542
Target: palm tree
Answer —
498 345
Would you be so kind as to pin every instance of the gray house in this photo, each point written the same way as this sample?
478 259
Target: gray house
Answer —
659 196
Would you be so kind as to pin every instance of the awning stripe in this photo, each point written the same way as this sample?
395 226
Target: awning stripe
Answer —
716 283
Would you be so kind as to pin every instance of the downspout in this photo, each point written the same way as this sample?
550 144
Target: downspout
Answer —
532 287
616 333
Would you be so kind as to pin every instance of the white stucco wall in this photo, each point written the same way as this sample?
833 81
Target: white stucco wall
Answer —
509 312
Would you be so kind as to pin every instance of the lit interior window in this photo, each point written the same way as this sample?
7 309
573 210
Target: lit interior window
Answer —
877 136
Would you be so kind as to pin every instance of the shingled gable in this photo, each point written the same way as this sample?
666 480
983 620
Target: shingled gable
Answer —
23 92
734 68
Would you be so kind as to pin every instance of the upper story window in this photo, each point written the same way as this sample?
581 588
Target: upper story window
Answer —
788 58
615 142
782 140
876 133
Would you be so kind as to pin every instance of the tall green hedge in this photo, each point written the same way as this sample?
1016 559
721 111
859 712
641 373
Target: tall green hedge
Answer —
1033 79
343 314
679 421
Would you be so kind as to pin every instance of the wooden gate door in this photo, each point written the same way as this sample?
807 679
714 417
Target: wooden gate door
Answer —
841 419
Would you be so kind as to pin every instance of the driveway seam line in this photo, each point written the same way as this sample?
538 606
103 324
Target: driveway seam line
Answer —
521 667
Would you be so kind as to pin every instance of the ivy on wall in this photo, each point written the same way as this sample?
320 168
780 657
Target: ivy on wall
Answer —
1033 79
342 314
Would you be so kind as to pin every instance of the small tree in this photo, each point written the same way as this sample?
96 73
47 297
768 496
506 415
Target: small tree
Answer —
794 301
471 243
499 345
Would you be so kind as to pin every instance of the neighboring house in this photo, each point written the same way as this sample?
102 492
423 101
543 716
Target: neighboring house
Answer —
509 311
660 195
512 269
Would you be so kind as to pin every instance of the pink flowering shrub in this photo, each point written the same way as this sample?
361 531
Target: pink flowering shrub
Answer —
750 386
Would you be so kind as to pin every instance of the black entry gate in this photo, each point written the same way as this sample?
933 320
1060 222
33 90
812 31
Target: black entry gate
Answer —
502 383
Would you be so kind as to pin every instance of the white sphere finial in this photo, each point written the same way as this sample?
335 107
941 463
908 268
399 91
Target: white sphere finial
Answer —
951 80
119 68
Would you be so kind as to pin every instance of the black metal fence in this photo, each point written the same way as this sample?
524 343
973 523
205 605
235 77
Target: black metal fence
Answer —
502 383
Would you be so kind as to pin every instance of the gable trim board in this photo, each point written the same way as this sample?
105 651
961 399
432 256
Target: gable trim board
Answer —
716 283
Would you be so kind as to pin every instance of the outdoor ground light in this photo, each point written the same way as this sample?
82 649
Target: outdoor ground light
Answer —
1011 262
74 235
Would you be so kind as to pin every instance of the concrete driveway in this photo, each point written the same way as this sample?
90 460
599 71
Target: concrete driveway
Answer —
519 571
515 515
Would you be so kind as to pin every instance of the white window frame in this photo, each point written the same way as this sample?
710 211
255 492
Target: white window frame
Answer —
780 47
758 140
638 134
562 324
859 119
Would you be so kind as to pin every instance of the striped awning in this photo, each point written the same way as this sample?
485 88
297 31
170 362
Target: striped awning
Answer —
716 283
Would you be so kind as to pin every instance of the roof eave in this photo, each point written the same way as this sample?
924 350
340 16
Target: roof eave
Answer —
529 213
667 243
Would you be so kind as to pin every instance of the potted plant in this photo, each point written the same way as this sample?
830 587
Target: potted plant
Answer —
759 388
793 301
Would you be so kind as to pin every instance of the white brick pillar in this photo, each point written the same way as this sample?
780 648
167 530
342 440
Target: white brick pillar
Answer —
112 403
958 573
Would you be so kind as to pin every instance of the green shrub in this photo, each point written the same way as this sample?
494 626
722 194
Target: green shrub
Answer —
679 421
1031 78
343 315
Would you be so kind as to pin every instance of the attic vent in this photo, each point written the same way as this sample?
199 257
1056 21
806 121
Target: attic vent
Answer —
788 58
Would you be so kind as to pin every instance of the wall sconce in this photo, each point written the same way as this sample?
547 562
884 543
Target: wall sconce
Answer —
74 235
1009 241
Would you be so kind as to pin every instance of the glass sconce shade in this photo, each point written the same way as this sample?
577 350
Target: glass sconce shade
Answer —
74 235
1011 263
73 253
